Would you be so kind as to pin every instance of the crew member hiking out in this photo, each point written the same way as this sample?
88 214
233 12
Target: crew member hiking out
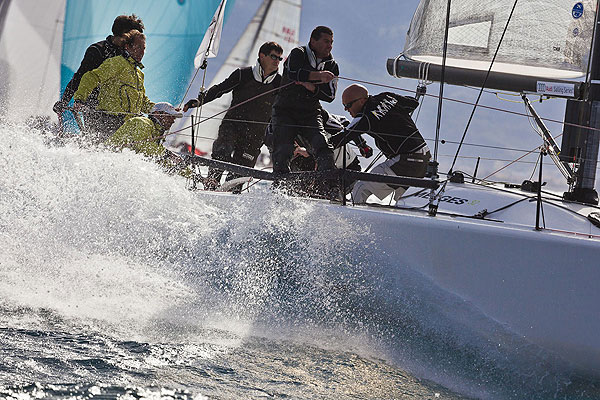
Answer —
95 55
121 88
386 118
297 107
242 132
146 135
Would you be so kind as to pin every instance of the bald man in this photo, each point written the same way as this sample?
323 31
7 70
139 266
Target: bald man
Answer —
386 118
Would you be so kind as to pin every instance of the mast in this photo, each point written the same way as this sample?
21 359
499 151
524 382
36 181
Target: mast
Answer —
580 144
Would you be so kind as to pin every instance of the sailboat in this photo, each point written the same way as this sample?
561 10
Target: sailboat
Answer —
525 257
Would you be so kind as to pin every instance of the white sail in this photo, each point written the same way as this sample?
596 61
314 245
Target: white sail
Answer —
275 20
209 47
548 38
30 53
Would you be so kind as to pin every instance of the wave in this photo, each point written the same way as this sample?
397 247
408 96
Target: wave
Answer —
107 242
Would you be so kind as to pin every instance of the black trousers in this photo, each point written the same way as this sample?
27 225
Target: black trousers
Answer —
287 124
100 125
236 143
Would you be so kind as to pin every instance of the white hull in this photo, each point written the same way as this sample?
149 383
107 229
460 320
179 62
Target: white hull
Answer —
541 285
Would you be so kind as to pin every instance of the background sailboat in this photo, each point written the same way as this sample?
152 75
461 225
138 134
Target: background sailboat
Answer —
275 20
56 34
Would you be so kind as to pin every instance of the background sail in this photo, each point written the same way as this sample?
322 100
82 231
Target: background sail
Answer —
30 49
275 20
42 44
209 47
174 30
549 38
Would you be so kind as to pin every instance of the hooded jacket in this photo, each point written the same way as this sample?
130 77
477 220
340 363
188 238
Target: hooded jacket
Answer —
121 83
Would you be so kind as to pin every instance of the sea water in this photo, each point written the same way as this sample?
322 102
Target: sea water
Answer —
116 281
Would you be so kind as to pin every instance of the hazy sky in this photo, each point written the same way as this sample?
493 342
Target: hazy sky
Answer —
366 34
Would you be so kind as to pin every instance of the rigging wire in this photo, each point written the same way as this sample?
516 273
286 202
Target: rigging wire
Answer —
206 54
511 163
442 81
469 103
483 85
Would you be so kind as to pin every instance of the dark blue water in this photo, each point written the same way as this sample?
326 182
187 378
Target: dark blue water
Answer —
116 281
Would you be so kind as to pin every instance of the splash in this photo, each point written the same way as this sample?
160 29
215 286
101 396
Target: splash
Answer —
106 243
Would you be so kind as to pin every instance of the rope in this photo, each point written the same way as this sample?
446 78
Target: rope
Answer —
208 118
409 91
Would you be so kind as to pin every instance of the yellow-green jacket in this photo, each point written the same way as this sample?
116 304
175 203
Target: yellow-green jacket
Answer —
137 133
121 82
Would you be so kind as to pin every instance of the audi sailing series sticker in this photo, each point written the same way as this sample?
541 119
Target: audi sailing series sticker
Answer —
577 11
556 89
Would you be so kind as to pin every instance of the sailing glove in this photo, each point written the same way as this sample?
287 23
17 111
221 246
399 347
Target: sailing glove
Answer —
59 107
366 151
193 103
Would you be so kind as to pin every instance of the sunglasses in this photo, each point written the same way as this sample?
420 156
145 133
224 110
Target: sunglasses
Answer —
275 57
349 104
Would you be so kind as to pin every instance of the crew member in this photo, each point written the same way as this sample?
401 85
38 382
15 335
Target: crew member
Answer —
242 132
121 92
96 54
386 118
297 107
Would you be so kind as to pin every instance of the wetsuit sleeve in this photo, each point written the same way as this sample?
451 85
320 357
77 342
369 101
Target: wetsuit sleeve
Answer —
91 60
226 86
359 125
295 62
95 77
326 91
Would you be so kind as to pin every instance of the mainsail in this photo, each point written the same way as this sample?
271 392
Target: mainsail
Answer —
42 44
545 38
275 20
541 47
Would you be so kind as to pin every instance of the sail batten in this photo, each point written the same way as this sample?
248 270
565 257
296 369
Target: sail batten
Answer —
546 35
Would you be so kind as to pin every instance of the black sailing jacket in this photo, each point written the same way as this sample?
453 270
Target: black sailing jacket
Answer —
94 56
244 87
297 68
386 118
